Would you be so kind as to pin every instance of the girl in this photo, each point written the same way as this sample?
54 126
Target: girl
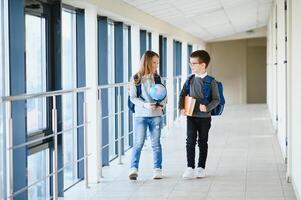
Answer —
147 114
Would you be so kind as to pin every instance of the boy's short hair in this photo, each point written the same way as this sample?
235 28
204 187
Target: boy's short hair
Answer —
202 55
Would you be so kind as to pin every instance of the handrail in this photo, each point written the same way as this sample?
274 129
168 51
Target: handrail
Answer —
112 85
121 109
54 135
43 94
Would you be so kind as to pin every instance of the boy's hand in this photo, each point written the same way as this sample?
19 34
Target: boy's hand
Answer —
183 112
203 108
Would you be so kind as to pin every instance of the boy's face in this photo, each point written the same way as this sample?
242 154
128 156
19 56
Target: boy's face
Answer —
197 66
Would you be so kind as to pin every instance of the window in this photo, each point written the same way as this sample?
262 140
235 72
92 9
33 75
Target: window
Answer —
35 31
69 101
111 80
145 41
177 62
149 41
2 120
163 56
38 168
189 51
163 65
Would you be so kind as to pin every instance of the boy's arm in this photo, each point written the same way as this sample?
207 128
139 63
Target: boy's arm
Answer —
181 98
215 96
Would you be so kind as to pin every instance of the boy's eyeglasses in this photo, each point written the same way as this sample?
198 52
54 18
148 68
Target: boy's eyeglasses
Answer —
194 64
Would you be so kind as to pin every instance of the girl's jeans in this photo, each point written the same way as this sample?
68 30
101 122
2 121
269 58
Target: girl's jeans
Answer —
141 125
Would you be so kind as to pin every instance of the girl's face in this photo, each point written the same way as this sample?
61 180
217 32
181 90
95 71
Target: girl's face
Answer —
155 63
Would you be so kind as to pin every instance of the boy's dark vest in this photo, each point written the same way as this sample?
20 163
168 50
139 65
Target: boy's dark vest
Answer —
218 110
131 105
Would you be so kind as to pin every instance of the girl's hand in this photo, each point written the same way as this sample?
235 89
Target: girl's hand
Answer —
150 106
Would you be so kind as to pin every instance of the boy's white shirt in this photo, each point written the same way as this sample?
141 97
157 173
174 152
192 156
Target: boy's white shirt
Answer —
201 75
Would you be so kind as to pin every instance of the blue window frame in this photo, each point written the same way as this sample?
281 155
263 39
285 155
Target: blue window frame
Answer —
145 41
31 31
177 71
3 32
189 51
163 64
103 80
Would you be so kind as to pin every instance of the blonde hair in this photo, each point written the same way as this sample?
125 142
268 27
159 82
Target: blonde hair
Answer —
145 67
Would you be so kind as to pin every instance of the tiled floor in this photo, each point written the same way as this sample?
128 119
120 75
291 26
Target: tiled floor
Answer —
244 162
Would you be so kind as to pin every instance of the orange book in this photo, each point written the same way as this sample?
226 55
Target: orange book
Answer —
189 104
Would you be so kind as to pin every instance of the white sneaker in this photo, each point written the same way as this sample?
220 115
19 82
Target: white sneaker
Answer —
157 174
200 172
189 173
133 174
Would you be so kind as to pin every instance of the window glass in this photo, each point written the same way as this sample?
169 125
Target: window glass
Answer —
38 169
111 80
35 71
69 101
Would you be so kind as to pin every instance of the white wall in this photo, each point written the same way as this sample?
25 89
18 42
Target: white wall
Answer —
295 84
277 73
284 84
281 77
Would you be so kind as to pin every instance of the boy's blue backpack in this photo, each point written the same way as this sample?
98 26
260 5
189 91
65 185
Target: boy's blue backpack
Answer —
131 105
218 110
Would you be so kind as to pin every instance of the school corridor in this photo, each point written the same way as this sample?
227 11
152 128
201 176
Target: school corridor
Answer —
67 69
244 163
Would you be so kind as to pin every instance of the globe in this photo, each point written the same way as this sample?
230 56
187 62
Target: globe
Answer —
158 92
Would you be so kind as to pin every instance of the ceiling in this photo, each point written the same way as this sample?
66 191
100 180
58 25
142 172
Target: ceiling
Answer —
209 19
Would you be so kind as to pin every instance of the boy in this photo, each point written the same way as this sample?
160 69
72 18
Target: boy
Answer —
199 123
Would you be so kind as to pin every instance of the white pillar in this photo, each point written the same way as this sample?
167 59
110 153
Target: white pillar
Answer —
184 61
92 82
135 41
155 42
170 105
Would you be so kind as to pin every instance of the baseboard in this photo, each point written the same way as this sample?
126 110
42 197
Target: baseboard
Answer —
295 190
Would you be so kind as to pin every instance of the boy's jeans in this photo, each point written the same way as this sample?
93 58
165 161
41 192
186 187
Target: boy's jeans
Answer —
141 125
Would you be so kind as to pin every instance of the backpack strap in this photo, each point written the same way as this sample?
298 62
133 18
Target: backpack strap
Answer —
207 88
138 87
187 84
157 79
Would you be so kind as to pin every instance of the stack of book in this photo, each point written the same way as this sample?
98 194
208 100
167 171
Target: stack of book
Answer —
189 104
